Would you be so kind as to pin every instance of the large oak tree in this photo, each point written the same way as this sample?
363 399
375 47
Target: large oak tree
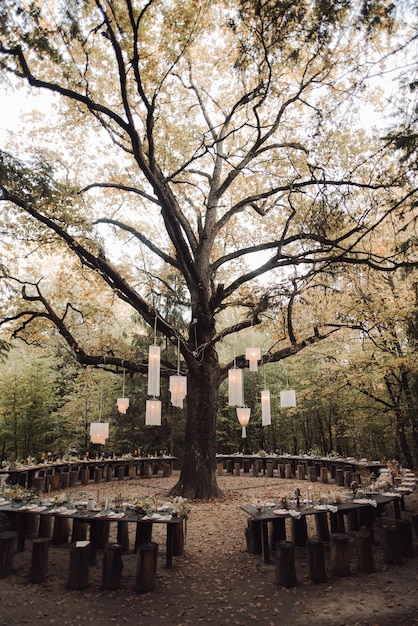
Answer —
222 140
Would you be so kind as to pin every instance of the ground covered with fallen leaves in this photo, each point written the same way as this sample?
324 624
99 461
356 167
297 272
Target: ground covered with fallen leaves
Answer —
216 580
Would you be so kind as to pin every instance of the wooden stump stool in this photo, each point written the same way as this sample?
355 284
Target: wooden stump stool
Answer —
282 470
301 472
392 552
364 550
339 477
99 532
237 468
254 468
278 532
299 531
39 484
45 526
146 567
73 477
316 560
285 564
143 533
270 469
312 475
8 545
123 535
220 469
322 528
253 536
79 532
324 475
112 566
78 575
39 561
340 562
98 473
288 470
85 476
404 528
65 480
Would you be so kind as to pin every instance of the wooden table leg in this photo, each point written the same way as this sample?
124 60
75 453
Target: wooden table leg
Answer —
265 541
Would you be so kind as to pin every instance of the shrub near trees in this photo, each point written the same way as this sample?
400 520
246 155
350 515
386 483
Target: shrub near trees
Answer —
225 155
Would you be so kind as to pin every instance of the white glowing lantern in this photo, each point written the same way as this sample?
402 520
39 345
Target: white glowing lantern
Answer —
287 398
153 413
265 408
235 387
154 370
243 414
178 390
99 432
122 404
253 355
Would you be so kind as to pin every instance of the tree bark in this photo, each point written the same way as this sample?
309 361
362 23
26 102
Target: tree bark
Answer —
198 471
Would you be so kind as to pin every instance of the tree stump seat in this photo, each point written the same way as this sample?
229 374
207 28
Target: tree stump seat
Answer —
8 546
253 536
112 566
146 567
340 561
285 572
315 552
78 574
391 544
363 541
39 560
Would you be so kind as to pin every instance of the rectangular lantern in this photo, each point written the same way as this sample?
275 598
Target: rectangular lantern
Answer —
287 398
99 432
154 370
265 408
235 387
178 390
253 355
153 413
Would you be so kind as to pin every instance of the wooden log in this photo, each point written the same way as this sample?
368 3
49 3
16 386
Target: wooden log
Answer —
337 522
391 544
316 560
282 470
339 477
285 564
143 533
79 531
237 468
220 468
98 474
65 480
112 566
73 478
229 466
312 475
39 560
62 530
340 563
270 469
78 574
178 539
321 523
246 464
123 535
108 473
32 526
253 536
167 470
353 521
288 470
8 545
55 483
301 470
404 528
85 476
132 472
45 526
363 541
146 567
324 475
299 531
347 478
147 470
254 468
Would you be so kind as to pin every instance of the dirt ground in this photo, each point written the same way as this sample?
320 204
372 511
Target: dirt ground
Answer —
216 581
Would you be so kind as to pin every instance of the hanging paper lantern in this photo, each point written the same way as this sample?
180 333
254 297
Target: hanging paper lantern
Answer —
253 355
178 390
122 404
265 408
99 432
243 414
287 398
153 413
235 387
154 370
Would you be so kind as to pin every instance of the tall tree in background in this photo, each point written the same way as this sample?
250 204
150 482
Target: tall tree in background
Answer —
223 145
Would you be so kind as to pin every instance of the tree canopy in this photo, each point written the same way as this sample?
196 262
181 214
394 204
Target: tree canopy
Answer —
221 143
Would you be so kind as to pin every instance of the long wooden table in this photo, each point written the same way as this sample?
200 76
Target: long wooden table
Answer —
336 512
19 514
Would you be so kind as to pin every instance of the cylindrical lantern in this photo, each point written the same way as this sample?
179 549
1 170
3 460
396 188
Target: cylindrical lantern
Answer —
253 355
243 414
154 370
99 432
153 413
178 390
122 404
287 398
235 387
265 408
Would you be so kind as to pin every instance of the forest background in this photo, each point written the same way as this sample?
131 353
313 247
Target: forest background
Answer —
209 187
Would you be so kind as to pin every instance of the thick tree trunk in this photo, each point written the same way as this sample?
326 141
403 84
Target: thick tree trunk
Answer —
198 472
